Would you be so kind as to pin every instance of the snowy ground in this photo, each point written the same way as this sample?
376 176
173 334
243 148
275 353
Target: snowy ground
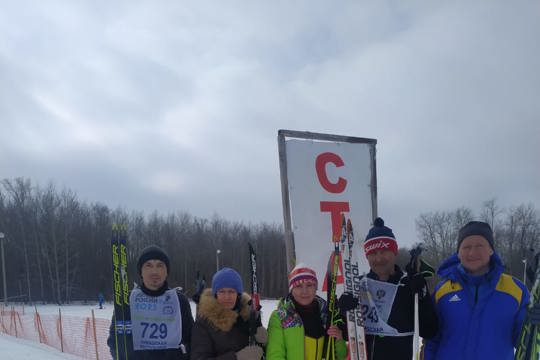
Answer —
18 349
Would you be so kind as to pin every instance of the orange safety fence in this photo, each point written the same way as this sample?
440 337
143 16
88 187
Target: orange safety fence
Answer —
81 336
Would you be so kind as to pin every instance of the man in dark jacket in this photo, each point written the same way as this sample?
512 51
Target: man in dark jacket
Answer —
161 319
389 306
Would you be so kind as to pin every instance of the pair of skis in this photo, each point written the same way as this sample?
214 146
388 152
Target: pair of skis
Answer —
353 275
122 315
529 340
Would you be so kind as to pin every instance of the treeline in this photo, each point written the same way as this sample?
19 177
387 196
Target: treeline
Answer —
57 248
516 233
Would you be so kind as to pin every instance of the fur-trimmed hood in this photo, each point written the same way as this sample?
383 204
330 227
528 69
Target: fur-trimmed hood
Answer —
219 317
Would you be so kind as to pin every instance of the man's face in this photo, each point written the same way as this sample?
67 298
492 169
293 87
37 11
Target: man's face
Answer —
475 253
382 262
154 273
226 297
304 293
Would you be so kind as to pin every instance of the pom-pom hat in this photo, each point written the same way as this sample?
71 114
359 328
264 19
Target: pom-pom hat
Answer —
380 237
301 274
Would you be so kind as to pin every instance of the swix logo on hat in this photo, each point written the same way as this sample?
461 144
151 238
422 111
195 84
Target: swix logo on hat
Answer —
380 243
380 237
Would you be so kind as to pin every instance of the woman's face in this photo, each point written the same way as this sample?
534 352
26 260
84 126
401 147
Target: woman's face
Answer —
226 297
304 293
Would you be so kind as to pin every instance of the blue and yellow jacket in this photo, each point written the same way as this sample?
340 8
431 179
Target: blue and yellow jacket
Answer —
480 317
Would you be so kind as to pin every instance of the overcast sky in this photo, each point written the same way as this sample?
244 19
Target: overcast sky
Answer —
175 105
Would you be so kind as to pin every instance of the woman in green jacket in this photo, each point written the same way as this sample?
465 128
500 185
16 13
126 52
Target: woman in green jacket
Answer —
297 328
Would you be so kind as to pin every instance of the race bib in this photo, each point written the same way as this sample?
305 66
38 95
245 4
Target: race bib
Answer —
376 307
156 321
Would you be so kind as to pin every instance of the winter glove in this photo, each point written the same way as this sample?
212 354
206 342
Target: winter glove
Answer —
534 314
410 269
347 302
261 336
251 352
417 283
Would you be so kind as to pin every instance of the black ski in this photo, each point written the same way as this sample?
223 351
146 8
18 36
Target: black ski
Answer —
122 315
255 296
529 340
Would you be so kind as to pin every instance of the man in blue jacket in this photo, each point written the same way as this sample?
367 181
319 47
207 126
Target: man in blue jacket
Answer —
480 309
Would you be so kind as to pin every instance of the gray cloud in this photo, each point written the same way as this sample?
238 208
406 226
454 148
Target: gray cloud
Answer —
177 106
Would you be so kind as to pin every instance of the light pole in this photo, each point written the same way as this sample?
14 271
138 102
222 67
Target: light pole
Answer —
218 251
524 271
3 266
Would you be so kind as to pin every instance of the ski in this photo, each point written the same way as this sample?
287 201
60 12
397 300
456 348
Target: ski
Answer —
352 283
255 297
122 316
529 340
333 317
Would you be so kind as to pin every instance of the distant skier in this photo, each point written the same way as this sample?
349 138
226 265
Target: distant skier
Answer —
161 317
101 299
200 285
481 309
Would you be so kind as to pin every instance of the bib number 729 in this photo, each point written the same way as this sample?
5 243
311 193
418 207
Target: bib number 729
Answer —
154 331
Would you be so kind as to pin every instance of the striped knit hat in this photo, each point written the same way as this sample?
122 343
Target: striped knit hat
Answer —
380 237
301 274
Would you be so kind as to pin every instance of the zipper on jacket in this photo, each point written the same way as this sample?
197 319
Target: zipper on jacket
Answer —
476 295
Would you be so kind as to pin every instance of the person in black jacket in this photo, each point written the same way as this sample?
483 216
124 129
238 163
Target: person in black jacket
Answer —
389 306
161 319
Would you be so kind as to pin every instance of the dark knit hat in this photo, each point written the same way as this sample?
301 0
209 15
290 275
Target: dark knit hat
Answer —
476 228
152 252
227 278
380 237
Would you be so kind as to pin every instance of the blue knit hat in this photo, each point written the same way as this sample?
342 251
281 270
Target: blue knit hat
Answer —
227 278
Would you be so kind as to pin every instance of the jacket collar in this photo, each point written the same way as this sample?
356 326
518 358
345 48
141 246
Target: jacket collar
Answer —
219 317
451 269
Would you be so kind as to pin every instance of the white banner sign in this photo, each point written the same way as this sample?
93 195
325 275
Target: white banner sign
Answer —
321 180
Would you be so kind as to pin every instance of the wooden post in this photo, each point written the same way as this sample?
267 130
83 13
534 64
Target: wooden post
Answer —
95 336
61 335
37 320
14 319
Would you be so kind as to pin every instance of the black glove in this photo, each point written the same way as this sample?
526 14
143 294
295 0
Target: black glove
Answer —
410 268
417 283
347 302
534 314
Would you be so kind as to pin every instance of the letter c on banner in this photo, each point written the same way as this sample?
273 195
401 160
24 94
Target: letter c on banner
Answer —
320 166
